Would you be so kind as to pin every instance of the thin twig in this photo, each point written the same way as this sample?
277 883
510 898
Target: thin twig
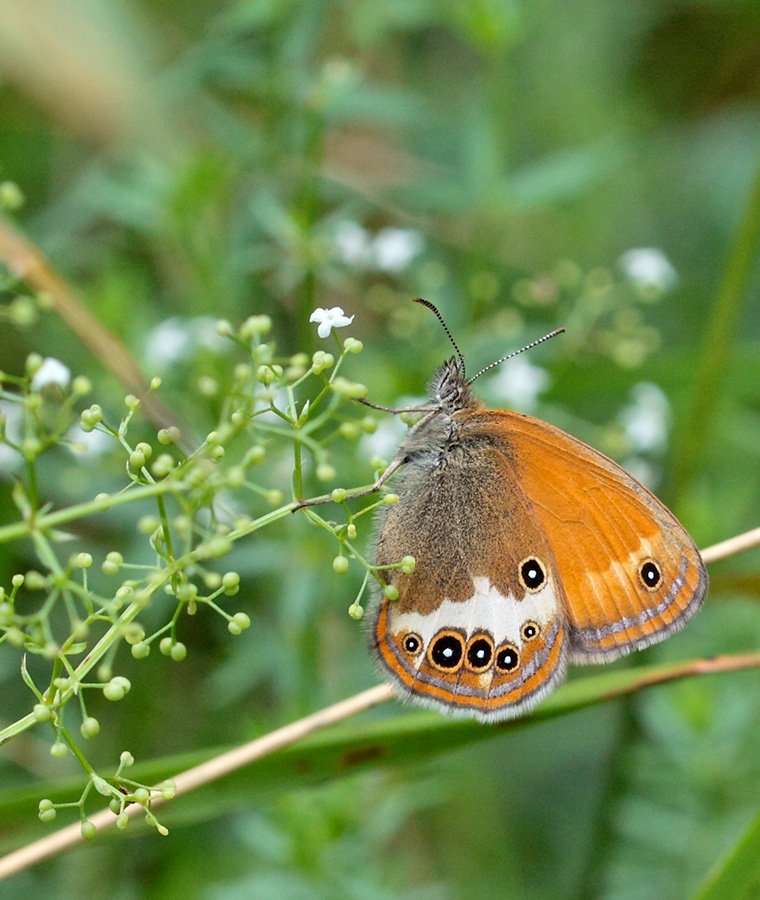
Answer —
732 546
206 772
232 760
27 262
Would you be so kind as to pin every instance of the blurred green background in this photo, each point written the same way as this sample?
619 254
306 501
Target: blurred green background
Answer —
499 158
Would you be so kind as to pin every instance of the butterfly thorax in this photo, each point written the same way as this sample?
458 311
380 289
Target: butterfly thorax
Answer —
437 437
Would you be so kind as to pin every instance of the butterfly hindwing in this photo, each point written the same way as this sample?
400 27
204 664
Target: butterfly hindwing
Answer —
478 626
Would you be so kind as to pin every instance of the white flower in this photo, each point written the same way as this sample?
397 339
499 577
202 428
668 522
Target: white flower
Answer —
649 268
519 384
177 338
352 244
646 418
90 444
642 471
13 413
393 249
52 371
328 319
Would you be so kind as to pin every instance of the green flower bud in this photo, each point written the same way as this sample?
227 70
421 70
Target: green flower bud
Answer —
231 583
255 325
351 345
42 712
90 727
340 565
349 430
81 386
140 650
325 472
408 565
391 592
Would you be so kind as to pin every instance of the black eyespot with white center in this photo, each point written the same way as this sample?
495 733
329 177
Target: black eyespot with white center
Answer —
507 658
447 650
529 631
479 653
532 574
412 643
650 575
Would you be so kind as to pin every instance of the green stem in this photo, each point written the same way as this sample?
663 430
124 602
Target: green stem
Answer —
33 492
81 758
297 471
81 510
691 445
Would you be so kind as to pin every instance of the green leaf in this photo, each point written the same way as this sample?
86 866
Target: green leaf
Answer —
354 746
734 875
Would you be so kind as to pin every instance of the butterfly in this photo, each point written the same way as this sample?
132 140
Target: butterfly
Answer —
532 551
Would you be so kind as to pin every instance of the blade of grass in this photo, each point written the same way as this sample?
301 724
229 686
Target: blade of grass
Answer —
738 871
689 444
337 753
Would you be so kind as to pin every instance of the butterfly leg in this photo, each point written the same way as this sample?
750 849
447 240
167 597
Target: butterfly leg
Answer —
327 498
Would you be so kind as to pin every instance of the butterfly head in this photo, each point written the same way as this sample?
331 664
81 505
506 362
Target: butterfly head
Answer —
449 388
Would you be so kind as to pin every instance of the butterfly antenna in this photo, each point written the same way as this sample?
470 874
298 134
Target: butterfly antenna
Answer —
445 328
498 362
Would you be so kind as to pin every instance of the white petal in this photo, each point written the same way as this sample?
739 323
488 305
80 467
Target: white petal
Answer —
324 328
352 244
648 267
52 371
319 315
394 248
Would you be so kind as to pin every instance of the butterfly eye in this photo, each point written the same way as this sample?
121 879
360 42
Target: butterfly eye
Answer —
479 653
447 650
529 631
532 574
507 658
650 575
412 643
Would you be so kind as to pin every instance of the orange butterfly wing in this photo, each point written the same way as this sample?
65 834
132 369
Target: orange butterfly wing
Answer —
629 572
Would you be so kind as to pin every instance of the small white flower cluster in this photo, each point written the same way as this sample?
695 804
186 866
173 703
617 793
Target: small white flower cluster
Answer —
390 250
519 383
13 414
51 372
178 338
649 269
646 419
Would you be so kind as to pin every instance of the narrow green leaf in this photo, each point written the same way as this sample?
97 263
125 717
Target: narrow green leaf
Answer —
739 870
689 444
355 745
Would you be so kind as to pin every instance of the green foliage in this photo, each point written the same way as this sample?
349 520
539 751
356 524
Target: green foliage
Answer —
187 166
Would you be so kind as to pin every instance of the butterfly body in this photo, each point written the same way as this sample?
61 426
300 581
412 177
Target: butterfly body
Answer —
532 550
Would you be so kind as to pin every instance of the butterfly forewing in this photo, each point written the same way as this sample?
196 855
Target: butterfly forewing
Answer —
630 573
